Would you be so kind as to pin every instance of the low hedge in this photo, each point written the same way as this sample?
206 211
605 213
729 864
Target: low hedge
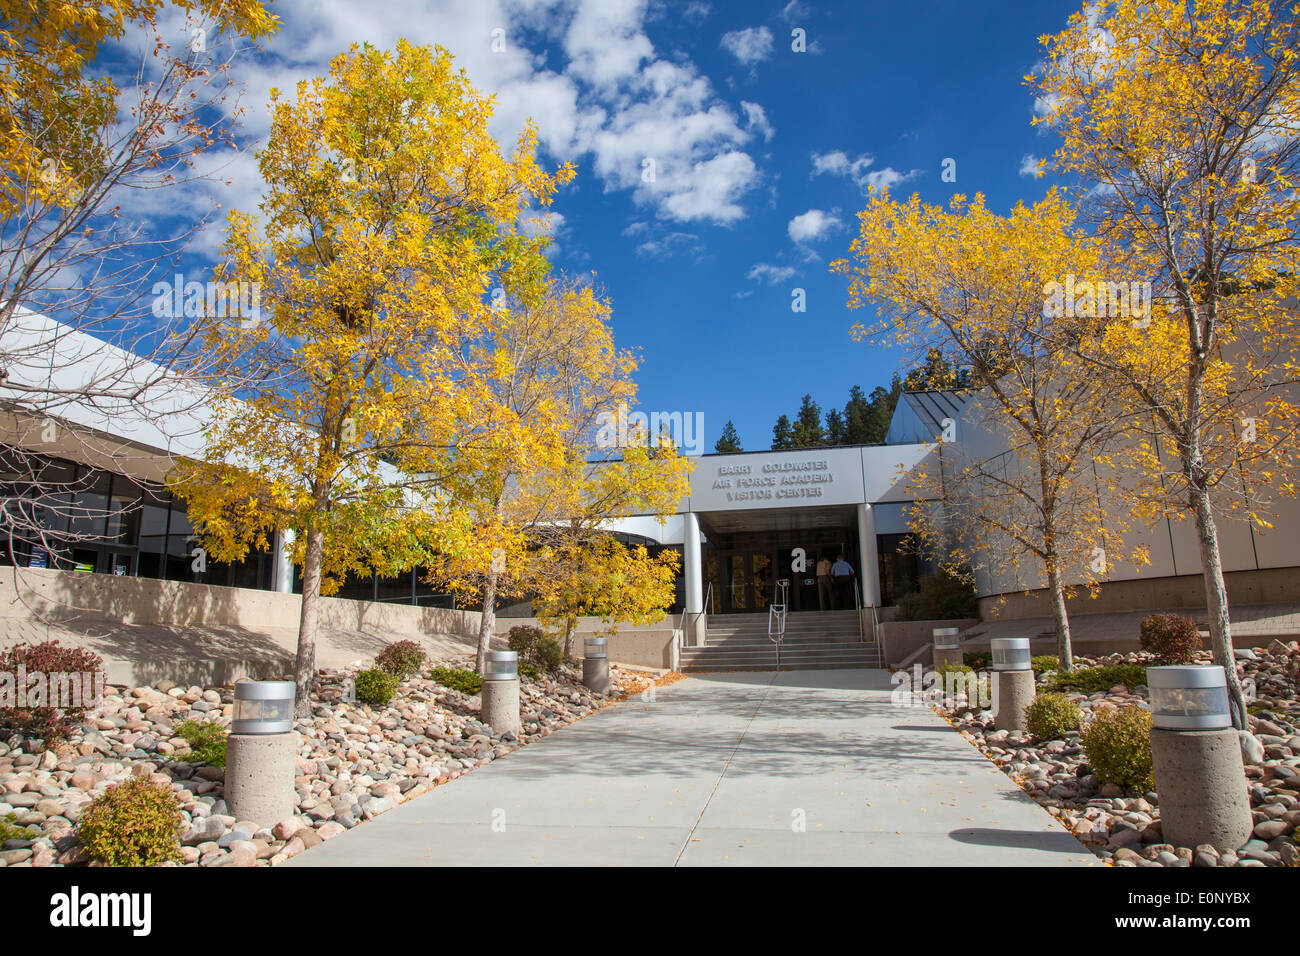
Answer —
458 678
1090 680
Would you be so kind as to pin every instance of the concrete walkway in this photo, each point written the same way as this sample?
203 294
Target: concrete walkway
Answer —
720 770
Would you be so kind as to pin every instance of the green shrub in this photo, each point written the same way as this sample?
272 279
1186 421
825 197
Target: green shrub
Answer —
1051 716
535 648
942 596
376 687
207 740
135 823
458 678
1118 744
50 724
402 658
1170 638
1090 680
10 830
1042 663
980 660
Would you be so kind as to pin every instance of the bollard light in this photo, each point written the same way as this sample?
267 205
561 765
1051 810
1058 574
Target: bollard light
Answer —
1010 653
501 665
595 647
946 638
263 707
1193 697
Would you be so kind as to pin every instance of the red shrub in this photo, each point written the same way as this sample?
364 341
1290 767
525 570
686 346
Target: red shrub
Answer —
49 657
1170 638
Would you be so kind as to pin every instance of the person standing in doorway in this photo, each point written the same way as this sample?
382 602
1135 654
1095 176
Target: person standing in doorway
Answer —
842 573
824 583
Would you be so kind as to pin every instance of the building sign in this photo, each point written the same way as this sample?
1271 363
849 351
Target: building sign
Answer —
801 478
774 481
780 479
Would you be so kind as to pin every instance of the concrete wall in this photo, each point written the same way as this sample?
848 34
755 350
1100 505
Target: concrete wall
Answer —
61 594
648 646
1268 586
1170 544
204 634
901 639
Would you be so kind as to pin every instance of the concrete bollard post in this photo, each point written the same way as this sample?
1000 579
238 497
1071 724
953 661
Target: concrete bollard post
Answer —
595 664
499 698
260 771
261 752
947 647
1202 787
1012 692
947 655
1013 681
1196 756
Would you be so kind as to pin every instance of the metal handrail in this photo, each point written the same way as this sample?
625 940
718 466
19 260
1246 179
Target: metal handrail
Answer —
776 614
681 625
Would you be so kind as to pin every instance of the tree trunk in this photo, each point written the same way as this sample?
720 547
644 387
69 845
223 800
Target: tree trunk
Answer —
488 621
304 668
1064 649
570 626
1216 601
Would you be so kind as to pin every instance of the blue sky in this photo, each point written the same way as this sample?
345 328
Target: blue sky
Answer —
761 156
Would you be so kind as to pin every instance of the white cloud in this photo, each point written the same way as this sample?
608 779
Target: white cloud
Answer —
756 120
668 244
812 225
838 163
605 42
750 45
1029 165
794 10
771 274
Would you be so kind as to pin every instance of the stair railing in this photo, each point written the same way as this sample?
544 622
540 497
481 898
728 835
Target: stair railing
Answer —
695 615
776 613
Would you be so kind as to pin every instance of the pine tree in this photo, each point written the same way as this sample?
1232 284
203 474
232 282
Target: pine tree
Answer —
782 434
808 431
730 439
835 429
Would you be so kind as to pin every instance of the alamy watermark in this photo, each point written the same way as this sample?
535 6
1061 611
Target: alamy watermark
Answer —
60 689
930 688
217 300
1098 300
632 429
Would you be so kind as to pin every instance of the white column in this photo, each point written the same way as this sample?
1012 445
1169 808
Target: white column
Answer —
867 556
693 568
282 579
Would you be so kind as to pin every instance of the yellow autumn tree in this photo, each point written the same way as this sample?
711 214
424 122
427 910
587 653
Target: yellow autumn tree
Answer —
89 127
577 567
390 212
551 367
601 576
1017 493
1181 121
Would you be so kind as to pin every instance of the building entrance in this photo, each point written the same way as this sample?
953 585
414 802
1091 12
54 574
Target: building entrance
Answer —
744 567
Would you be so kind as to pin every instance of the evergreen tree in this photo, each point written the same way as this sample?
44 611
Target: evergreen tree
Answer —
883 403
782 434
835 430
857 416
730 439
808 431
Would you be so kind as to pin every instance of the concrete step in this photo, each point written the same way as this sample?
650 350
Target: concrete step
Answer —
794 656
737 640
